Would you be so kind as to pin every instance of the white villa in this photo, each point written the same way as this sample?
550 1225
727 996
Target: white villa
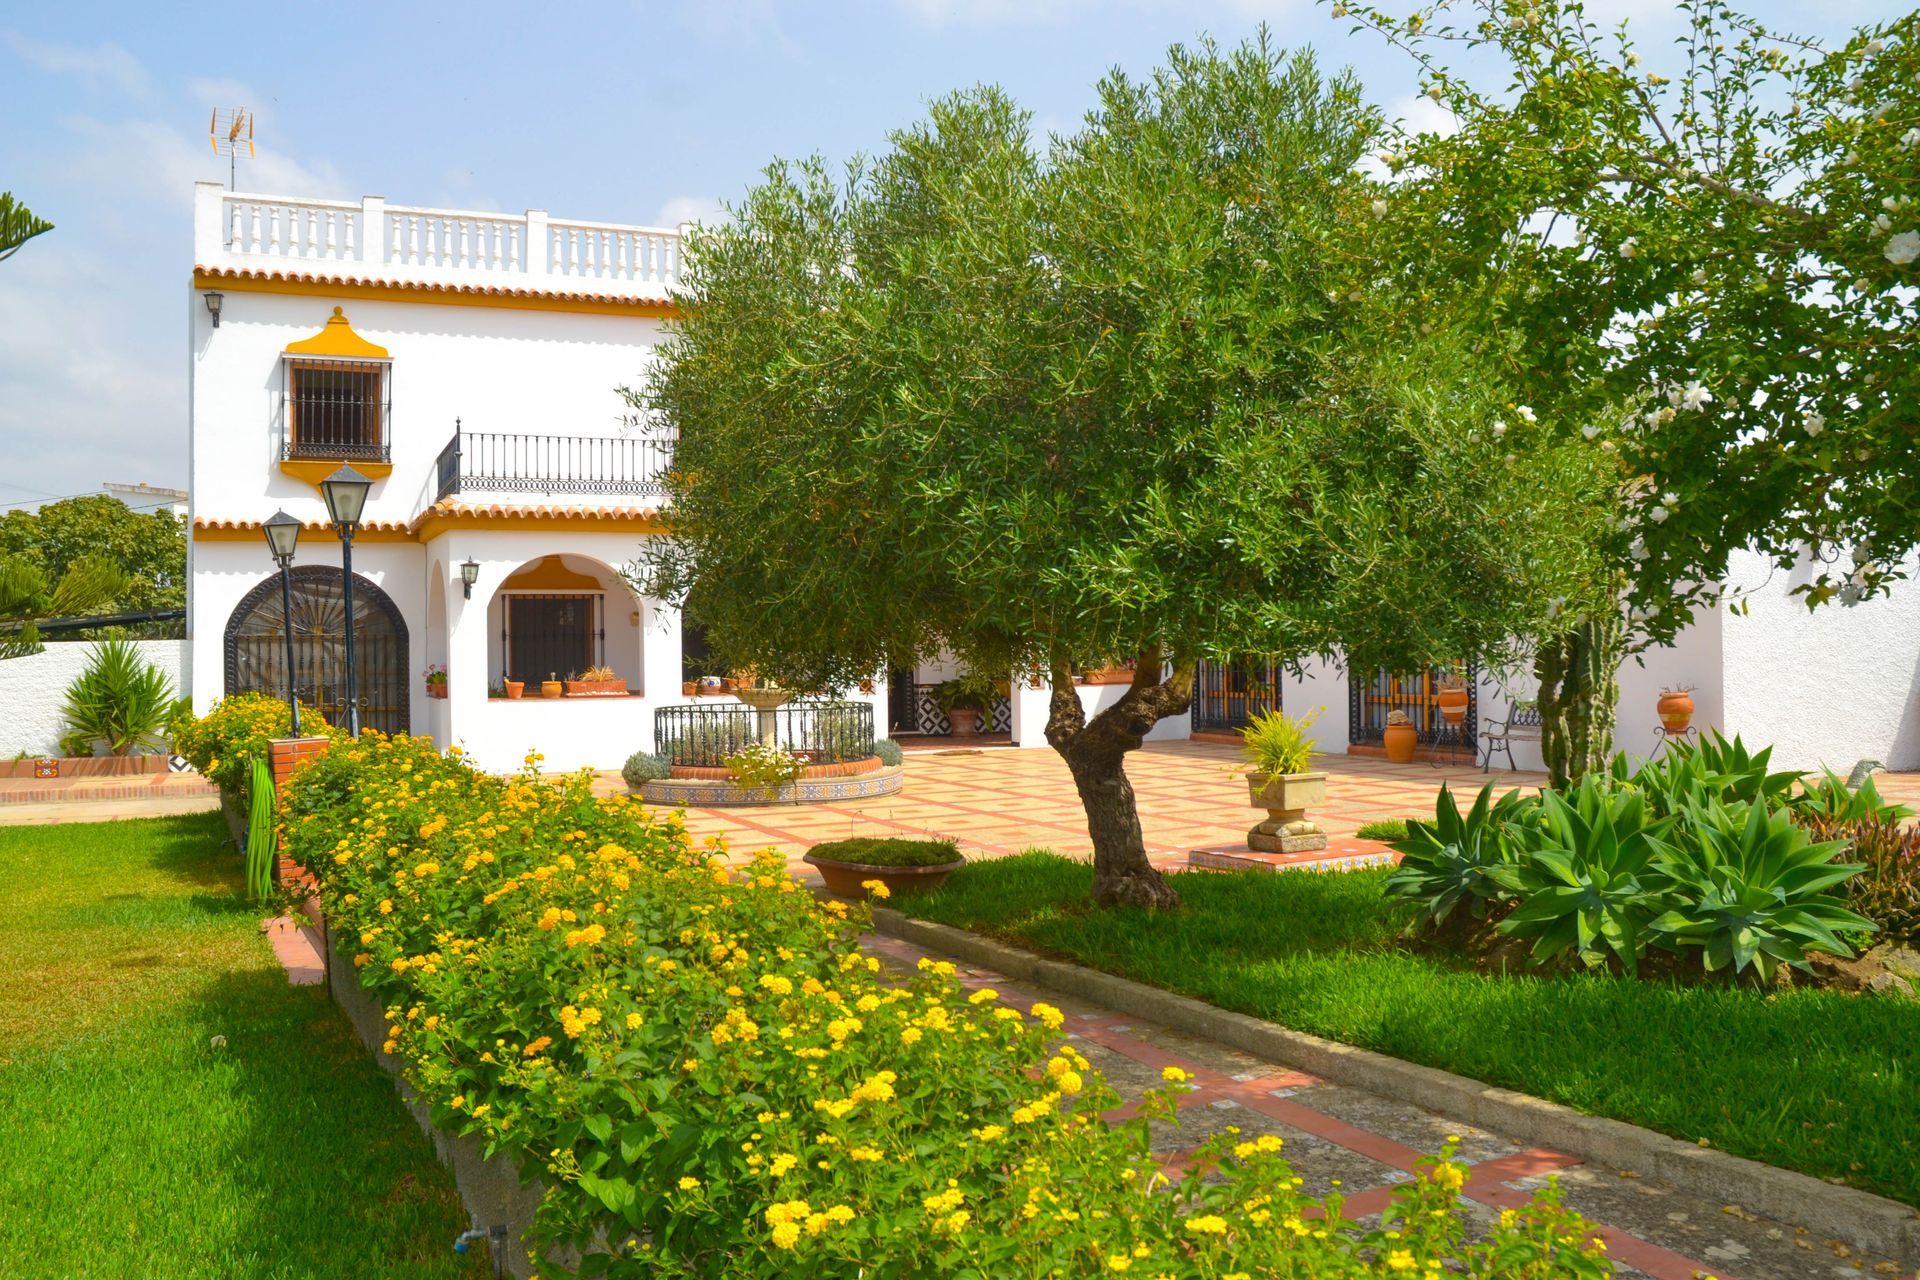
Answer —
468 364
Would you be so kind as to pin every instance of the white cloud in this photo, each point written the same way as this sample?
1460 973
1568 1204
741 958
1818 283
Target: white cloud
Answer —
689 209
106 64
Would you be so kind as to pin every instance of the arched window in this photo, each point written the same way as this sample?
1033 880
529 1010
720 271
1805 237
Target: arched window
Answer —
257 648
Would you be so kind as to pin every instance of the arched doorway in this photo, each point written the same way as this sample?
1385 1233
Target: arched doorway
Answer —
257 648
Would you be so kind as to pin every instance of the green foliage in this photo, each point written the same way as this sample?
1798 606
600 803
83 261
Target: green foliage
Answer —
1387 829
1753 893
237 730
646 766
1685 776
121 699
730 1085
763 767
889 752
1275 743
1830 800
1459 861
146 550
17 225
889 851
1707 260
965 693
1887 892
89 583
261 843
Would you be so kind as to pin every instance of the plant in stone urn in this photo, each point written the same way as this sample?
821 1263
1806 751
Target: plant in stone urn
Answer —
1279 749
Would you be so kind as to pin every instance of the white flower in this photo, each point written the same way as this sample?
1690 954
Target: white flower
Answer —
1434 92
1695 396
1499 429
1814 423
1910 139
1633 59
1876 47
1903 248
1653 419
1883 224
218 1042
1630 247
1526 414
1379 208
1590 431
1639 549
1700 276
1670 498
1894 203
1658 515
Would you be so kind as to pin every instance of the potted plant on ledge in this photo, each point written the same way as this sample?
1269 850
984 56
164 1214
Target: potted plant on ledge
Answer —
436 681
597 682
1279 750
849 867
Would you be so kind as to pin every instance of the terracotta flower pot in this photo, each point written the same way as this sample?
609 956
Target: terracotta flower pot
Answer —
595 688
552 688
1453 705
1676 710
689 688
516 688
843 879
965 722
1400 741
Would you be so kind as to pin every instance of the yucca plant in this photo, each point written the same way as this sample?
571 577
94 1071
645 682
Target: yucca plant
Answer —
1754 890
1582 886
1455 861
1276 744
121 699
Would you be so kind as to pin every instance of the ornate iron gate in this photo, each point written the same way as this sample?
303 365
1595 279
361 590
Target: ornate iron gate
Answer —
257 653
1227 695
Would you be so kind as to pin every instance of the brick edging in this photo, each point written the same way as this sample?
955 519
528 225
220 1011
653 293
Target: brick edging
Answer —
1867 1221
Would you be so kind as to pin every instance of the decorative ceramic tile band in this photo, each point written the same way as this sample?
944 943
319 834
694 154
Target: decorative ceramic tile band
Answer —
702 793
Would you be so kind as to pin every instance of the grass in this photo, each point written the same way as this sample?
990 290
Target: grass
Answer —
889 851
131 1145
1388 829
1823 1083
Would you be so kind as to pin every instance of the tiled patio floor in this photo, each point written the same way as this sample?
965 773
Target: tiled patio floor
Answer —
1363 1144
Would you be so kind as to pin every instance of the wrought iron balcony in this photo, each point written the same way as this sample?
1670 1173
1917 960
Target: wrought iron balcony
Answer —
516 462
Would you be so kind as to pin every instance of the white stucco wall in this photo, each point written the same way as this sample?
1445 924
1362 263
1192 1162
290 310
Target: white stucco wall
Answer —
33 690
1829 686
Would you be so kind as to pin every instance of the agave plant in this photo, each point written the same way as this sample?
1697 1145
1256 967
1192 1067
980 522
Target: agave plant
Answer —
1715 768
1583 885
120 699
1457 861
1753 890
1831 800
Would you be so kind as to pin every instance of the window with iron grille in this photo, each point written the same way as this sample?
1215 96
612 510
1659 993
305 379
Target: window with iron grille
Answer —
552 637
337 407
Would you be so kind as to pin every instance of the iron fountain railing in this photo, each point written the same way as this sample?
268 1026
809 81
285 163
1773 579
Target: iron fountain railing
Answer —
819 732
521 462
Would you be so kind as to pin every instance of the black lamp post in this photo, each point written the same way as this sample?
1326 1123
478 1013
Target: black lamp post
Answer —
469 574
283 535
346 494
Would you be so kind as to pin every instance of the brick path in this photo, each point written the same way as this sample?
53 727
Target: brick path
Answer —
1362 1145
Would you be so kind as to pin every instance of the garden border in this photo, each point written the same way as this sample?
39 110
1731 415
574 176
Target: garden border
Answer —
1860 1218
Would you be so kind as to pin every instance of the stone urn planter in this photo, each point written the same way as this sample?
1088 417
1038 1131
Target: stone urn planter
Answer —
844 879
1286 797
1676 709
1399 738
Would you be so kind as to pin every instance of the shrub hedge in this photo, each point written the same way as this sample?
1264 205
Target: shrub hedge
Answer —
713 1078
237 729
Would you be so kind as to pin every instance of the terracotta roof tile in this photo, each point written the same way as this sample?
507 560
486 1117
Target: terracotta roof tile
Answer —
306 526
534 511
379 282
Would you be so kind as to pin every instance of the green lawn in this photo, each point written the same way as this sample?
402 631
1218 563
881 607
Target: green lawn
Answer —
1826 1084
129 1144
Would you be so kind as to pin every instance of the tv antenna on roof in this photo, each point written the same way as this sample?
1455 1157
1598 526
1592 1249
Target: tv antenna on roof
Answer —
229 131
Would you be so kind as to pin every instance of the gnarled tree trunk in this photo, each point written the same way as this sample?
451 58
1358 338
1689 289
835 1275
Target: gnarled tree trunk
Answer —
1095 751
1579 694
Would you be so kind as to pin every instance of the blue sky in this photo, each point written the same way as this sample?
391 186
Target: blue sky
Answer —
639 112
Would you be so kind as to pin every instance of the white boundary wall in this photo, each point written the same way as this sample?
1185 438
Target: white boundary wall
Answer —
34 689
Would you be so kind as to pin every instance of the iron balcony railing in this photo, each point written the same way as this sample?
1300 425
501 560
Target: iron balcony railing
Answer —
336 409
521 462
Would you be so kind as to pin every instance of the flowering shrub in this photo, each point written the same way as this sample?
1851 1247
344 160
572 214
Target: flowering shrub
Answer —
713 1078
236 729
761 766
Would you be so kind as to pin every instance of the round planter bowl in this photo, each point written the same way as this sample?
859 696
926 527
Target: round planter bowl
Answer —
844 879
1676 711
1453 705
552 688
965 722
1400 740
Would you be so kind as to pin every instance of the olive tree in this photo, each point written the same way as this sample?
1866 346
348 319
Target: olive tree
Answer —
1703 259
1137 395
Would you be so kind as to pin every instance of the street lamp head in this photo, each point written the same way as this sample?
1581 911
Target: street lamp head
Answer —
214 300
469 574
346 494
283 535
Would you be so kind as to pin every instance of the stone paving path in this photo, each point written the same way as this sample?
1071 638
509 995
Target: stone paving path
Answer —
1362 1144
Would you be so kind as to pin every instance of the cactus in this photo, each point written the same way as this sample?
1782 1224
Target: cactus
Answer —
1579 694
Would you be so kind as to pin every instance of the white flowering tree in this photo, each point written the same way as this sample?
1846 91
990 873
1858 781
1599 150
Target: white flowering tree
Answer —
1705 266
1123 399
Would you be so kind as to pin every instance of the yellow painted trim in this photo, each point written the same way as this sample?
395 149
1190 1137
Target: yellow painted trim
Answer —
433 526
403 292
314 471
251 533
337 338
550 573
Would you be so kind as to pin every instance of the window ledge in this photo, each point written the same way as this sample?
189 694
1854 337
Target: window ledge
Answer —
314 470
